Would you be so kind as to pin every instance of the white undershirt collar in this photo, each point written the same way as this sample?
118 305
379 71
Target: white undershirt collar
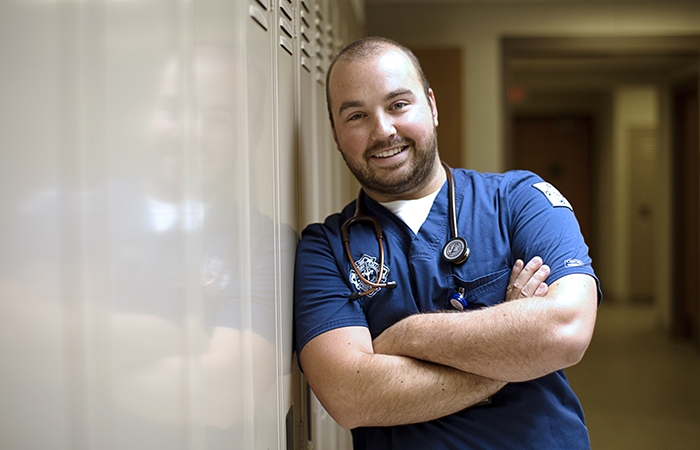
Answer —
412 212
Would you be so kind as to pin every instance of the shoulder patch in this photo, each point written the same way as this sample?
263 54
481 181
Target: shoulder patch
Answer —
552 194
369 267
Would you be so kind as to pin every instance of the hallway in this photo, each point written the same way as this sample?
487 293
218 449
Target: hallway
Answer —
640 389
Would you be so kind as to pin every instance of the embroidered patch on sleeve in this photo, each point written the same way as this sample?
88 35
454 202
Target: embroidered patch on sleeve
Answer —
552 194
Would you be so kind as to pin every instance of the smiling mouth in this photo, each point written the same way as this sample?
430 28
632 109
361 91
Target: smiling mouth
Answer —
390 152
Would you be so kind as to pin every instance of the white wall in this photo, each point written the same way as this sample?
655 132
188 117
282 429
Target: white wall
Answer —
634 108
150 201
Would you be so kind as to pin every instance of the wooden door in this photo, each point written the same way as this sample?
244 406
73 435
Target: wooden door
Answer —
559 150
686 211
442 68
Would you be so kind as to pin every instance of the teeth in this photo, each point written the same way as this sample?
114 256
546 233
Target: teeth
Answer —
388 153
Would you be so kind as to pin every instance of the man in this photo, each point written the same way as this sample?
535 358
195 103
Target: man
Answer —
398 366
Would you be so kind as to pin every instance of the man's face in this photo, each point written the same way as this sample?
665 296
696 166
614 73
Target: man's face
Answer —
384 125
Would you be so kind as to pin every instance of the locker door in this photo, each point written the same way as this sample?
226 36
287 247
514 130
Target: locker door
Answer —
286 193
326 145
260 309
308 144
308 182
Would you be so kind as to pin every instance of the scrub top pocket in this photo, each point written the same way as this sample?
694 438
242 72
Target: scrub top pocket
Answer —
485 291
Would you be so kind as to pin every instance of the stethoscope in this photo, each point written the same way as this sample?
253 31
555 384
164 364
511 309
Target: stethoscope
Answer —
455 251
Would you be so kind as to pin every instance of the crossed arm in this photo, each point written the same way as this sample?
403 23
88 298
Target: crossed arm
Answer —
431 365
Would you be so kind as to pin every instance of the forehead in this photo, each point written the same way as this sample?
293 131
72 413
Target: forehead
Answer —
384 71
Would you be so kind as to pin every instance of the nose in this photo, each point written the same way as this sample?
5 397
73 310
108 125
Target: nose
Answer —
384 128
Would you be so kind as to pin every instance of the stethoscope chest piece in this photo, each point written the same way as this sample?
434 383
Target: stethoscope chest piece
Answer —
456 250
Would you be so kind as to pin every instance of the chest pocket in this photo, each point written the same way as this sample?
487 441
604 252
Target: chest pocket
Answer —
485 291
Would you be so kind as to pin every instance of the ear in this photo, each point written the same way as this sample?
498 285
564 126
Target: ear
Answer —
433 106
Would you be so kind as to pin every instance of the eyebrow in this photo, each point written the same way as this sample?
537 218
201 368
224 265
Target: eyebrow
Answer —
398 93
389 96
348 105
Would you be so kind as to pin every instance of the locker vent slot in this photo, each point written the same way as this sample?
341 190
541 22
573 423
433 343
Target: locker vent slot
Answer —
258 15
286 27
286 44
284 7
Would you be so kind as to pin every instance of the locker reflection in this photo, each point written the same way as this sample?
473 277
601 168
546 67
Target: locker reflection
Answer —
150 204
177 326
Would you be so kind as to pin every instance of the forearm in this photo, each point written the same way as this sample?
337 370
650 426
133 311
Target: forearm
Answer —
499 342
398 390
514 341
384 390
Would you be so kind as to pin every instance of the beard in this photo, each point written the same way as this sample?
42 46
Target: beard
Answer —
421 167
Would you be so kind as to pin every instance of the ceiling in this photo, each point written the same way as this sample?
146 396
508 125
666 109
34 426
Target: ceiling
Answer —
598 61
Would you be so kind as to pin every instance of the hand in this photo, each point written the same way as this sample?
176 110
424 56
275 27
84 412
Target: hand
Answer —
528 280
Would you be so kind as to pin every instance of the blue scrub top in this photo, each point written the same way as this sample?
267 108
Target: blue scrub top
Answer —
504 217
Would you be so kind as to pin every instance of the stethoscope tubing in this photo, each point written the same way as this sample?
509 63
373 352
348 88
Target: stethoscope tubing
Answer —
449 253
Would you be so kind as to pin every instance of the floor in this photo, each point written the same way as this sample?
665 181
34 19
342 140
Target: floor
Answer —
640 389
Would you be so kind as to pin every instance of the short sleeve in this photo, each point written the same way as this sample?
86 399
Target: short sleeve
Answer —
321 292
543 223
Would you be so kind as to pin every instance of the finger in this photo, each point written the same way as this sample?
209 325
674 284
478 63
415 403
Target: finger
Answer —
534 283
524 277
517 268
542 290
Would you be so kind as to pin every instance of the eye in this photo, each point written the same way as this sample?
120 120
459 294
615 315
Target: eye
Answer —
399 105
355 116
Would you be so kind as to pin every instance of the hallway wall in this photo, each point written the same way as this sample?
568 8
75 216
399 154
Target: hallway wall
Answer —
150 203
478 29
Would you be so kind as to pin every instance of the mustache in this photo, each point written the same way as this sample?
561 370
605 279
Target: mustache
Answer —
381 145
